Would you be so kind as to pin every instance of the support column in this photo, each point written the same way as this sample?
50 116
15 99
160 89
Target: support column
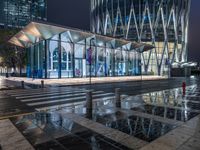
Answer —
46 59
34 68
105 63
85 57
59 57
113 65
96 61
73 59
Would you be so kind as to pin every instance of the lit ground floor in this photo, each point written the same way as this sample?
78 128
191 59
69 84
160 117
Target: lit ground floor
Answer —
61 52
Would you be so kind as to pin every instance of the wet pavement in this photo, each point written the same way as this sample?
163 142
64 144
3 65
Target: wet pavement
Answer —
53 131
171 104
9 106
11 138
61 121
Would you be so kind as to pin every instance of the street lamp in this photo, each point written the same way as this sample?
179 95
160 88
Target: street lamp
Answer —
90 60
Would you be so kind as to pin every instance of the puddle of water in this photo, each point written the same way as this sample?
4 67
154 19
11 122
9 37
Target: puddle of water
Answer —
169 104
170 113
53 131
142 128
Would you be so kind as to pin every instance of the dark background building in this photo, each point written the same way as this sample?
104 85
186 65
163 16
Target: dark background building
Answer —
14 15
18 13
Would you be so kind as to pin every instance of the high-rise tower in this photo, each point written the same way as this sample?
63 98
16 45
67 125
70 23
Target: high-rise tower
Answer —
18 13
162 23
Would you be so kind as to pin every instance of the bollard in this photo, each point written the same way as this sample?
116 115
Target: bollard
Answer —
22 83
117 97
42 83
89 104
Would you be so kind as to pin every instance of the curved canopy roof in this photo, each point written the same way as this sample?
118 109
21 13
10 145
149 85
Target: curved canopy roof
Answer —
35 32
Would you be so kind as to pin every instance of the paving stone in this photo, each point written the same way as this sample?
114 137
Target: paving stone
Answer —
11 138
157 146
191 144
112 134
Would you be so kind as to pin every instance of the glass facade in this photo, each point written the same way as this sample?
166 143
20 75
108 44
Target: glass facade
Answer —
161 23
60 52
58 58
18 13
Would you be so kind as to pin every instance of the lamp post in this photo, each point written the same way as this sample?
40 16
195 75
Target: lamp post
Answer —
141 69
90 60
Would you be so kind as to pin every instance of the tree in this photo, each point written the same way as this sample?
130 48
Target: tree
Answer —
11 56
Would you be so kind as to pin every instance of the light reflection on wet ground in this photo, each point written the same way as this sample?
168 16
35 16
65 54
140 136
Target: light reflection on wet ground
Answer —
53 131
171 104
143 128
168 104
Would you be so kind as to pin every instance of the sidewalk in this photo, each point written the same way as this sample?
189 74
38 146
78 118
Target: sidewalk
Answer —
79 81
11 138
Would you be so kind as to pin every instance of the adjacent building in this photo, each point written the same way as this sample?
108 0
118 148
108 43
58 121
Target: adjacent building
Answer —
18 13
161 23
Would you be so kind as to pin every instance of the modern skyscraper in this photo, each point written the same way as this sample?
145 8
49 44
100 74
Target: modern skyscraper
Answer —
162 23
18 13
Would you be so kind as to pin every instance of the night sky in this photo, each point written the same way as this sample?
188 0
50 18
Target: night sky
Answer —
75 13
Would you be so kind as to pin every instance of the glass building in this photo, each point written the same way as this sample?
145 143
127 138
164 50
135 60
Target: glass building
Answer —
57 52
18 13
161 23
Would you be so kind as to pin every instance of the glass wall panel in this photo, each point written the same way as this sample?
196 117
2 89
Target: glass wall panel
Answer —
105 61
35 61
118 63
93 61
124 61
134 61
132 68
80 60
66 60
101 62
29 67
109 62
41 60
53 59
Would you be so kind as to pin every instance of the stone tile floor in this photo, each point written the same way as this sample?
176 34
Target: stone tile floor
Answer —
45 130
184 137
11 138
157 120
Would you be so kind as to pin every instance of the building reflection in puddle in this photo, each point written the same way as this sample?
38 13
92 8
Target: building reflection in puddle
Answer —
168 104
56 131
